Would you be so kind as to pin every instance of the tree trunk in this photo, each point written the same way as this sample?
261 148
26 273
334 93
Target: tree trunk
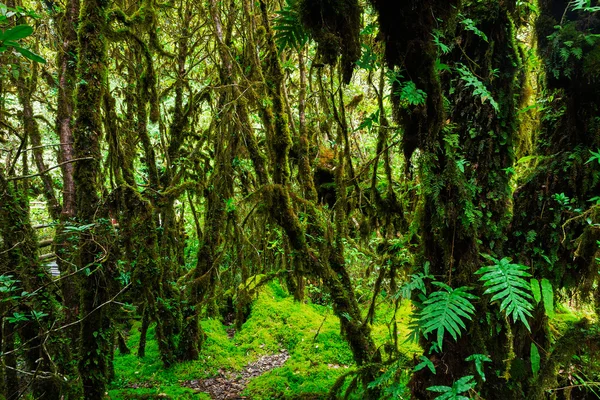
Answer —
92 78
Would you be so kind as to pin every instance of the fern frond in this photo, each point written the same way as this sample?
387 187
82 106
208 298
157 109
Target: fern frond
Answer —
455 391
479 89
289 32
445 311
505 282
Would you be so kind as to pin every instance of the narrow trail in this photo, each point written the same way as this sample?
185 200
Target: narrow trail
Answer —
228 385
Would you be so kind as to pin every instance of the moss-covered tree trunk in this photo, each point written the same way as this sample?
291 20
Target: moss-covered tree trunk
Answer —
95 335
552 202
26 86
21 254
470 214
64 245
329 265
219 190
466 146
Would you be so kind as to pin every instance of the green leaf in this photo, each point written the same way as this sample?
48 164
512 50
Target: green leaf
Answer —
535 289
30 55
17 317
445 311
289 31
479 88
505 281
548 296
38 314
16 33
412 95
437 35
369 121
595 156
425 362
368 59
479 359
534 357
462 385
469 25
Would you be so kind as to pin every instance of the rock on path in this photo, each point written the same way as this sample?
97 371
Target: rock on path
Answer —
228 385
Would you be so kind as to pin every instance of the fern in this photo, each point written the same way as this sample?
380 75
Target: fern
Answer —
479 359
444 311
437 35
479 88
505 281
417 282
548 297
462 385
584 5
425 362
470 25
289 32
412 95
391 381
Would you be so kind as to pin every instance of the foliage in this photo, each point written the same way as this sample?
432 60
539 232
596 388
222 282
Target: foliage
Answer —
548 297
416 282
595 156
584 5
411 94
425 363
393 382
289 32
505 282
454 392
479 89
259 201
407 90
11 37
534 359
470 25
479 359
445 311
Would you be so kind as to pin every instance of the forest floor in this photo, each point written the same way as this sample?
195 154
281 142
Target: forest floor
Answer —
285 350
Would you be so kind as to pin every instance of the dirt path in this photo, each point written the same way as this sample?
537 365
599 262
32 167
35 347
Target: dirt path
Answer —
229 385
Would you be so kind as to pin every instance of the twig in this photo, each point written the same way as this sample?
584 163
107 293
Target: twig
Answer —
16 178
111 300
319 330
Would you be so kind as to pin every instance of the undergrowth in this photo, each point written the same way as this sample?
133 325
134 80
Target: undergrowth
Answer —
309 332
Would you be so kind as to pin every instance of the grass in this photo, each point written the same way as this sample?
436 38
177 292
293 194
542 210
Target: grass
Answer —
309 332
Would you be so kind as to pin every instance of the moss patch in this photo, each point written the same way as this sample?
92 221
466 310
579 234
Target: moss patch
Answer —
309 332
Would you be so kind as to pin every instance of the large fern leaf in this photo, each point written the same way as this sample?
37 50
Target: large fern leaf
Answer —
505 282
455 391
445 311
289 32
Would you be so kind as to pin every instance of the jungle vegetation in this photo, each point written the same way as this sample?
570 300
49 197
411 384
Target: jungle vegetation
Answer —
404 196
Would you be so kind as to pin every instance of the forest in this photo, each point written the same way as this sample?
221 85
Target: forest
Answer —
299 199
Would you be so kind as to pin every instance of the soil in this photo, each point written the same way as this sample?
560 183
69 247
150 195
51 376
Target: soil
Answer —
228 385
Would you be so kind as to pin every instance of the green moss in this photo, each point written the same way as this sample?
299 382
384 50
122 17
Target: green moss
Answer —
382 333
160 392
309 333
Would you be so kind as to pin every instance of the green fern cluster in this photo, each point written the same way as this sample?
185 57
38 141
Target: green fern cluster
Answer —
446 309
